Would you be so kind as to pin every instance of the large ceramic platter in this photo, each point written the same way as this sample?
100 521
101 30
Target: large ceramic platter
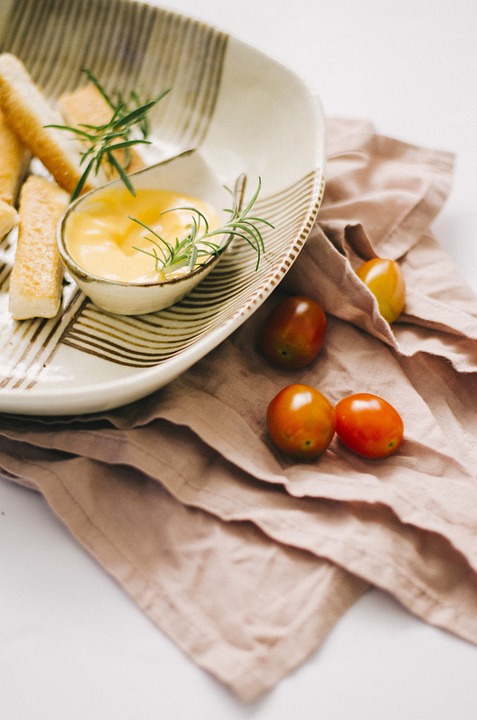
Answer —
243 111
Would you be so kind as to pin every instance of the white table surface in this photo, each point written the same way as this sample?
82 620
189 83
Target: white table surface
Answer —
72 644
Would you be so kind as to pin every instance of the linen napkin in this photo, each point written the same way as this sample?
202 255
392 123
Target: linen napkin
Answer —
243 557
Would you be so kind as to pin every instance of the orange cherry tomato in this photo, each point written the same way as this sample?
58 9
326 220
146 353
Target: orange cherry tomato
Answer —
369 425
385 280
301 421
294 332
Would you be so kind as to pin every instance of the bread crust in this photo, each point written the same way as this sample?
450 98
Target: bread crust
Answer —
86 106
8 218
28 113
14 162
36 279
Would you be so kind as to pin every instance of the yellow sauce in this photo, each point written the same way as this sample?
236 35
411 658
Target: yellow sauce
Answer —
101 238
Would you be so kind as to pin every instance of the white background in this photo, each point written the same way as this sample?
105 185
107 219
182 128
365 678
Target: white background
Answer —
72 645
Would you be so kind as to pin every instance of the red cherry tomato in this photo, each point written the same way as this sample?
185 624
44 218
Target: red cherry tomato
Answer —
301 421
385 280
294 332
369 425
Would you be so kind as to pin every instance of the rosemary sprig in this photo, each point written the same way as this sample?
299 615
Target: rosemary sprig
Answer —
103 141
187 251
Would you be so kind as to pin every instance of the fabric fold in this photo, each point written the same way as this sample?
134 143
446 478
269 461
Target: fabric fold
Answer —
243 557
245 608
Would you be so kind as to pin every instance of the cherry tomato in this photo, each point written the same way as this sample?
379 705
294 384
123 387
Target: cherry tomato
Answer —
369 425
385 280
301 421
294 332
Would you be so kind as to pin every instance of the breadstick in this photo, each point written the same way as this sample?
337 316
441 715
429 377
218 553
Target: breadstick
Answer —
86 106
36 279
28 113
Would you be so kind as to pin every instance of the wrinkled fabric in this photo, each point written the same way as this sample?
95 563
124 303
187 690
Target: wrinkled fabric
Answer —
242 556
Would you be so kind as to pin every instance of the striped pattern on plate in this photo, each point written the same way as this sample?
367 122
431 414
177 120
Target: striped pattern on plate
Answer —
120 42
131 45
150 339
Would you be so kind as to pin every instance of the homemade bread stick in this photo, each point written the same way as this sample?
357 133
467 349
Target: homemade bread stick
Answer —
86 106
13 164
36 280
8 218
14 160
28 112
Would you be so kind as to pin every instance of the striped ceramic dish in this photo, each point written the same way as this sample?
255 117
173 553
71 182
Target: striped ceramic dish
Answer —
224 95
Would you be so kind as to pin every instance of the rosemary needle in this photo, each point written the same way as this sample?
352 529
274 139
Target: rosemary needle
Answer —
186 252
103 141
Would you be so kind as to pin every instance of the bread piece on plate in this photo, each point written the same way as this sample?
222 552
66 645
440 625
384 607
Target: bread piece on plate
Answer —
8 218
36 279
13 162
86 106
28 112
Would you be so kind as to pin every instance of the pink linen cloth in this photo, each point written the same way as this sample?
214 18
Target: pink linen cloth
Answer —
243 557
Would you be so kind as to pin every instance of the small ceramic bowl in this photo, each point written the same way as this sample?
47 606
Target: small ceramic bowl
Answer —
187 173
